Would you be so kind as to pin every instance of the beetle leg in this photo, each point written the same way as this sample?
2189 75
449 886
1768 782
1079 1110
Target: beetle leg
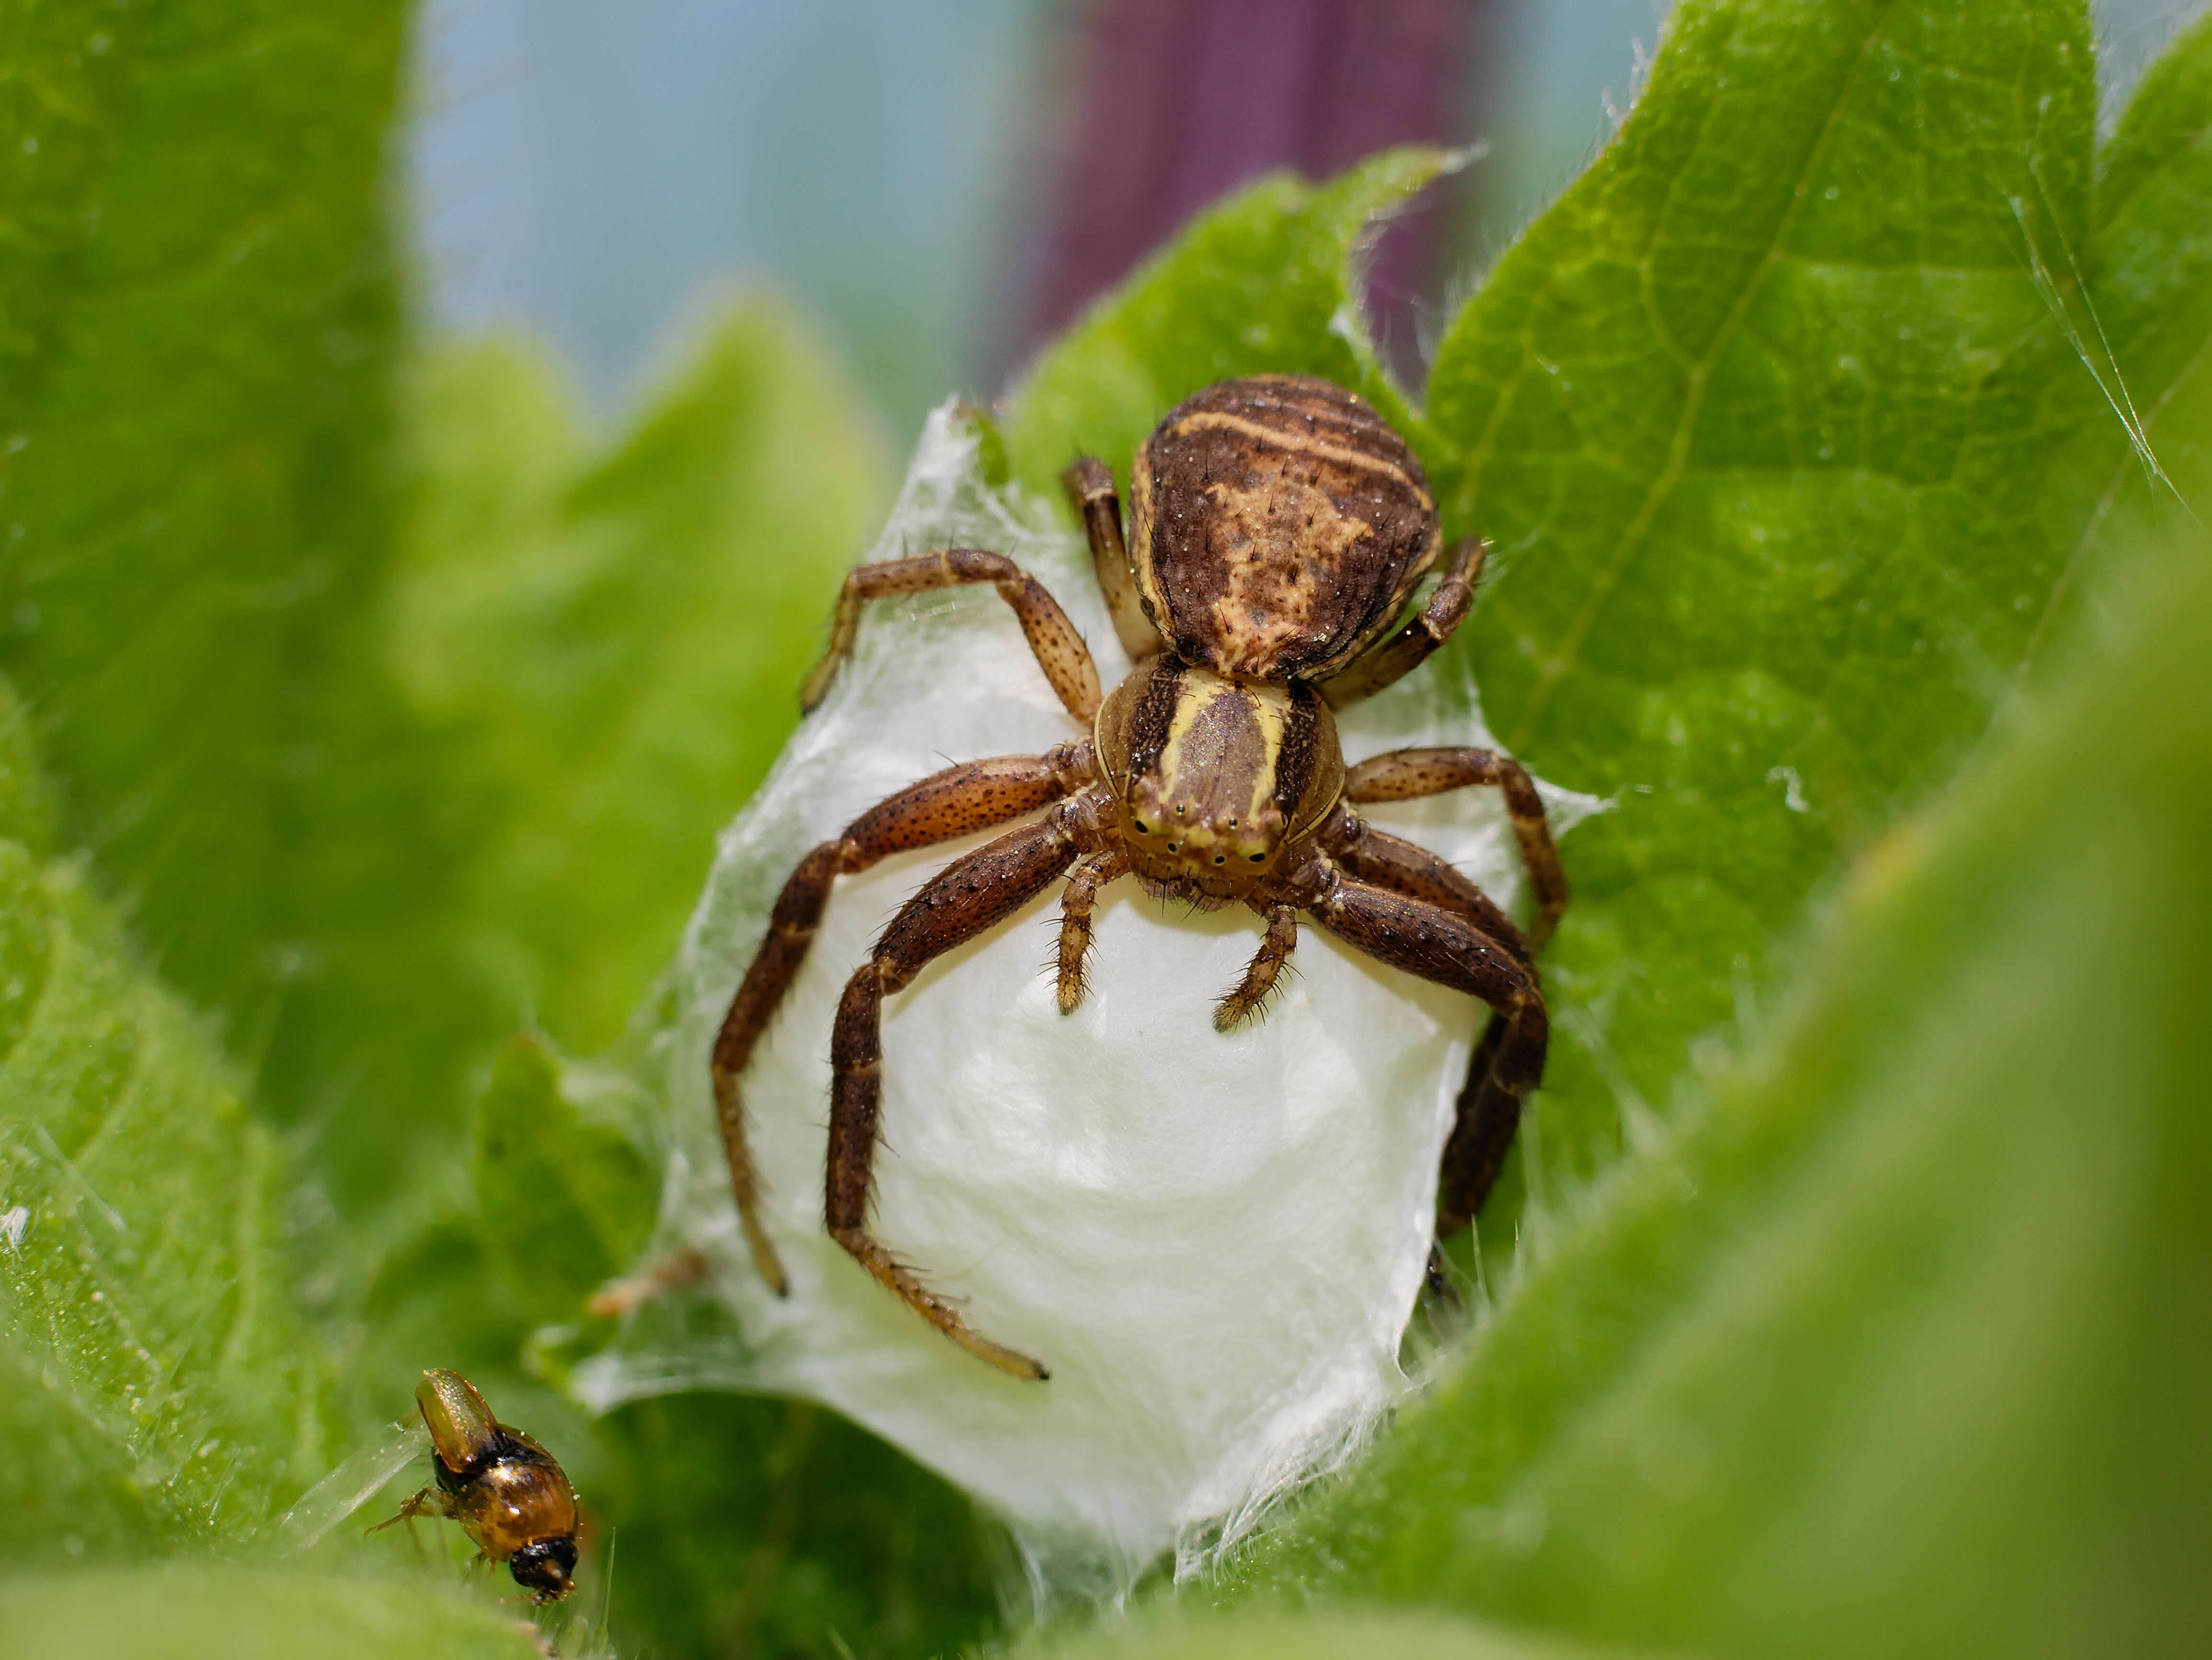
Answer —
1058 649
415 1505
1404 774
1443 946
1089 486
943 807
1075 906
1390 861
969 896
1246 996
1389 660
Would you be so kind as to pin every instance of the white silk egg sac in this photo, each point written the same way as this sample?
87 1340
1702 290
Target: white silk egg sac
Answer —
1213 1240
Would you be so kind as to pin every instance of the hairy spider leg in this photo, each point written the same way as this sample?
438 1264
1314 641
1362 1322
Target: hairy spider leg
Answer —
1089 483
1483 1124
1404 774
1392 659
1391 861
1487 1118
1442 945
942 807
1076 902
1247 995
972 895
1489 1114
1058 649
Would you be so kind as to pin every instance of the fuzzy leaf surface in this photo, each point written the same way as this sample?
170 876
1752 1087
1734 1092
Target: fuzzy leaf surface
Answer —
1757 416
1895 1345
246 1615
156 1387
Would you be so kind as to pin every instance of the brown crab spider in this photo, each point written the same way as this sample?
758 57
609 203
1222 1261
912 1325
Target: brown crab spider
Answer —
1279 528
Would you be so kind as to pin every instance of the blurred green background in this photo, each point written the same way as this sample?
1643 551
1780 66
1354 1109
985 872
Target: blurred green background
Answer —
427 446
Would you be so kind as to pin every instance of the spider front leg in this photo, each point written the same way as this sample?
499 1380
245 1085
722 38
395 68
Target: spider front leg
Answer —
1388 662
942 807
1359 849
1058 649
1089 486
1407 775
969 896
1249 993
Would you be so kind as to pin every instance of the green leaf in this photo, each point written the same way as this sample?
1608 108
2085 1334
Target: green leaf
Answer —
1262 283
2145 331
1900 1344
758 1526
563 1205
195 500
182 1613
1757 416
191 416
155 1385
611 641
1325 1634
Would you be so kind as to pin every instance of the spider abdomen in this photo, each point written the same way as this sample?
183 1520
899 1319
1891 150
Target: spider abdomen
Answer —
1278 525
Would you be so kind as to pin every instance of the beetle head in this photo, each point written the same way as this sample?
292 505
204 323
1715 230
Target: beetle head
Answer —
547 1569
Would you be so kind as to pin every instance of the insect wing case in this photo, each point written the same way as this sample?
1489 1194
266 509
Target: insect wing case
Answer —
1214 1241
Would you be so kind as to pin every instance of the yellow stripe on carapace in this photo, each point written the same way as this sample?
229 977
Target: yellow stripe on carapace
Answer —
1303 446
1270 706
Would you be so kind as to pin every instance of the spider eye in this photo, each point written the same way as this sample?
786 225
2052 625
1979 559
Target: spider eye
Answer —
1178 809
1143 829
1255 857
1220 858
1174 847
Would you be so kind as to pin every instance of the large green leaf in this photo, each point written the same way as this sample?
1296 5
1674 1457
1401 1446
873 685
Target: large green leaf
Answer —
155 1386
1758 415
2142 456
197 495
1899 1346
183 1614
1331 1634
610 639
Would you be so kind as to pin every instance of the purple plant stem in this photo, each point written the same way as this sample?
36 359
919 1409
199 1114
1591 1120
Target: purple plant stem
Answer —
1171 104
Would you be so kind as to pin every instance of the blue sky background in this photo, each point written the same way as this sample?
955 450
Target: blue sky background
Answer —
599 171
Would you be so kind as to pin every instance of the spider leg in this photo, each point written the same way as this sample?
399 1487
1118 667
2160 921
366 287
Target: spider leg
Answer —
1359 849
1249 993
1075 907
969 896
1404 774
1444 946
1392 659
942 807
1089 486
1058 649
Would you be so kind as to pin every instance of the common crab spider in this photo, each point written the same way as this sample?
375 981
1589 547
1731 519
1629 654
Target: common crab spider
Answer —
1279 528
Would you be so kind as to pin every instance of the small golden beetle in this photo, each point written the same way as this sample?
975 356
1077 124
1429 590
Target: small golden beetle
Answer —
1279 528
507 1492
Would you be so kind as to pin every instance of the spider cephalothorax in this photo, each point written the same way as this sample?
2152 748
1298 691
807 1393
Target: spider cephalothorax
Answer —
1278 529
